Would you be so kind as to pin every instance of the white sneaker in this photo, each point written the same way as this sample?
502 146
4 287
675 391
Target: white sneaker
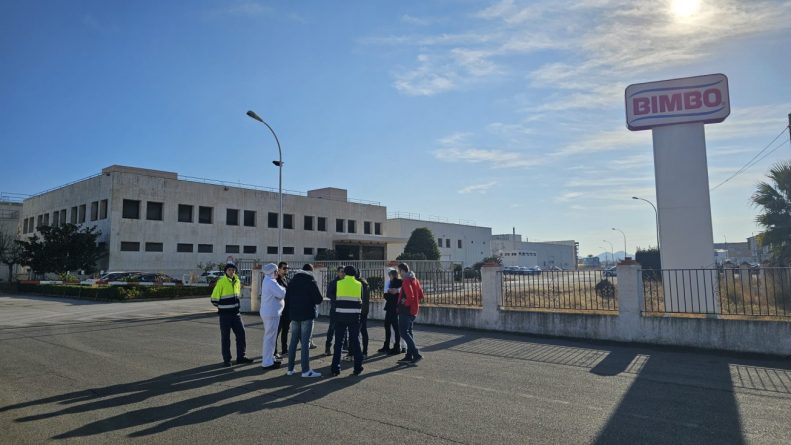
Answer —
311 374
291 372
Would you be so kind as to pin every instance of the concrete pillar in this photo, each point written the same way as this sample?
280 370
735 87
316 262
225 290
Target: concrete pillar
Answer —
244 300
491 295
255 290
630 300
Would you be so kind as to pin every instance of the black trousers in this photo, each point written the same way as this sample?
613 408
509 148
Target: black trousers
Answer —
342 328
364 333
331 333
282 330
230 321
391 322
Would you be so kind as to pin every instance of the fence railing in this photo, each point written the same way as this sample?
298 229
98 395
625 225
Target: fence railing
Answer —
456 288
764 292
586 290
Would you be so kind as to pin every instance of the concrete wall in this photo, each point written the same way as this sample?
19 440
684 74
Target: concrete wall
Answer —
628 325
475 240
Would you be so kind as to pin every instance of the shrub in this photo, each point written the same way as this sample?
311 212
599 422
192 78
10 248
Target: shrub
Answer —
115 293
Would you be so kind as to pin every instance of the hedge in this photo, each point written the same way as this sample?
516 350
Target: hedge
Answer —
115 293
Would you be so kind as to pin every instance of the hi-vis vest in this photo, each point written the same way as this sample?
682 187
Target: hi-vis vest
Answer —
349 296
226 294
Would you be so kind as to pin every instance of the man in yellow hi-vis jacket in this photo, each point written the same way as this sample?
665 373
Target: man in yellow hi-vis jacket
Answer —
225 297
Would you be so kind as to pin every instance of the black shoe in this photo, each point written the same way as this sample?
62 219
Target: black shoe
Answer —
327 351
358 371
403 350
405 359
393 352
336 373
243 361
416 359
385 349
312 346
226 364
274 365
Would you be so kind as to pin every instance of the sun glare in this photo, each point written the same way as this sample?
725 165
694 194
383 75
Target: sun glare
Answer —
684 8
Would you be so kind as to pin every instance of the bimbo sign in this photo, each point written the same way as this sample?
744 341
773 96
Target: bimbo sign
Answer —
677 101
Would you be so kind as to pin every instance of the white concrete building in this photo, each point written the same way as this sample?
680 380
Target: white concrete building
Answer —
543 254
460 243
9 225
153 220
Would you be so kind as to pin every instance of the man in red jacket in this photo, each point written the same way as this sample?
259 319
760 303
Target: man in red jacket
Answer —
408 306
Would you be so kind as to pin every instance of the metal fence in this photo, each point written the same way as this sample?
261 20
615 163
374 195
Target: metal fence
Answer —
585 290
451 287
764 292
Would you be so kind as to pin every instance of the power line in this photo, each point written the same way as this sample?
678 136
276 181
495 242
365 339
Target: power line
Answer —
755 159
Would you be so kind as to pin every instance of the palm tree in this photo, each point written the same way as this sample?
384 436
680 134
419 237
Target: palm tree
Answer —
775 199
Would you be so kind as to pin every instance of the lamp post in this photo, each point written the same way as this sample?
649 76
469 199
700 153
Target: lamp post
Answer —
624 240
612 251
279 165
656 217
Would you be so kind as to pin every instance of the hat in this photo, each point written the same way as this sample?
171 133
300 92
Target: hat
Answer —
229 265
270 268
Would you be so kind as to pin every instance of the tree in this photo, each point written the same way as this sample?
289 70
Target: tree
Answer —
62 249
490 259
325 255
10 253
648 258
774 198
421 246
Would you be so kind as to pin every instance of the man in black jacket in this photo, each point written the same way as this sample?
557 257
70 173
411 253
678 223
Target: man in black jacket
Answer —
302 296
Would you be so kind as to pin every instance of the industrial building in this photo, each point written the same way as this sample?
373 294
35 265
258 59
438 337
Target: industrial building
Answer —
459 243
545 254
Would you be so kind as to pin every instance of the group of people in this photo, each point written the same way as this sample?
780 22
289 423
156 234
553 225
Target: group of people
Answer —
293 306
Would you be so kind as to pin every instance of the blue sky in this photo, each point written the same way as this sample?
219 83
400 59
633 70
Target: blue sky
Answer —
505 113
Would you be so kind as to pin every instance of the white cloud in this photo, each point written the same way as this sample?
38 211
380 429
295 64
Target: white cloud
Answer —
495 158
412 20
478 188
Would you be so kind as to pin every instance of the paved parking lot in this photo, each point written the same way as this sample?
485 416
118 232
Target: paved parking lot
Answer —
149 372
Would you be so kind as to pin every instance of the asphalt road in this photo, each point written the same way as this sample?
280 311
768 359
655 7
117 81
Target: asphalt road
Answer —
77 372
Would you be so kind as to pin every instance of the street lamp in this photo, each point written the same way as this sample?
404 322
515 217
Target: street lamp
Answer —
279 165
612 251
624 240
656 216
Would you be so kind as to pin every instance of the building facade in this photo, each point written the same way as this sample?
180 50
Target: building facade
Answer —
153 220
545 254
9 226
460 243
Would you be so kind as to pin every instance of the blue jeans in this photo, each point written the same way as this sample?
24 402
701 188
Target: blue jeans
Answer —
405 323
301 331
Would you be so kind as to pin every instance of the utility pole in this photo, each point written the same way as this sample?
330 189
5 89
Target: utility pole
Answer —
789 125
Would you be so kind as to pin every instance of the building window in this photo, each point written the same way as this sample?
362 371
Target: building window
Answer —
94 210
367 227
46 219
131 210
103 209
249 218
74 215
24 226
154 211
307 251
205 214
339 225
231 248
129 246
185 213
288 251
271 250
184 247
459 244
377 228
322 224
55 218
81 217
439 242
288 221
352 226
153 247
249 249
205 248
63 217
308 224
231 217
447 242
271 220
40 220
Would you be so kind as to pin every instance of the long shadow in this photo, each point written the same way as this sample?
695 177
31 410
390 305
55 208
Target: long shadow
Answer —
284 391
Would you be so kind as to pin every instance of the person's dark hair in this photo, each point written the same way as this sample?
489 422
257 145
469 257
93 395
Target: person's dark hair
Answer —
308 267
393 273
350 270
403 267
281 264
339 269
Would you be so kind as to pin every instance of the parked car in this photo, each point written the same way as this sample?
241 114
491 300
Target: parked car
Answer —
535 270
609 272
155 278
117 276
211 276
